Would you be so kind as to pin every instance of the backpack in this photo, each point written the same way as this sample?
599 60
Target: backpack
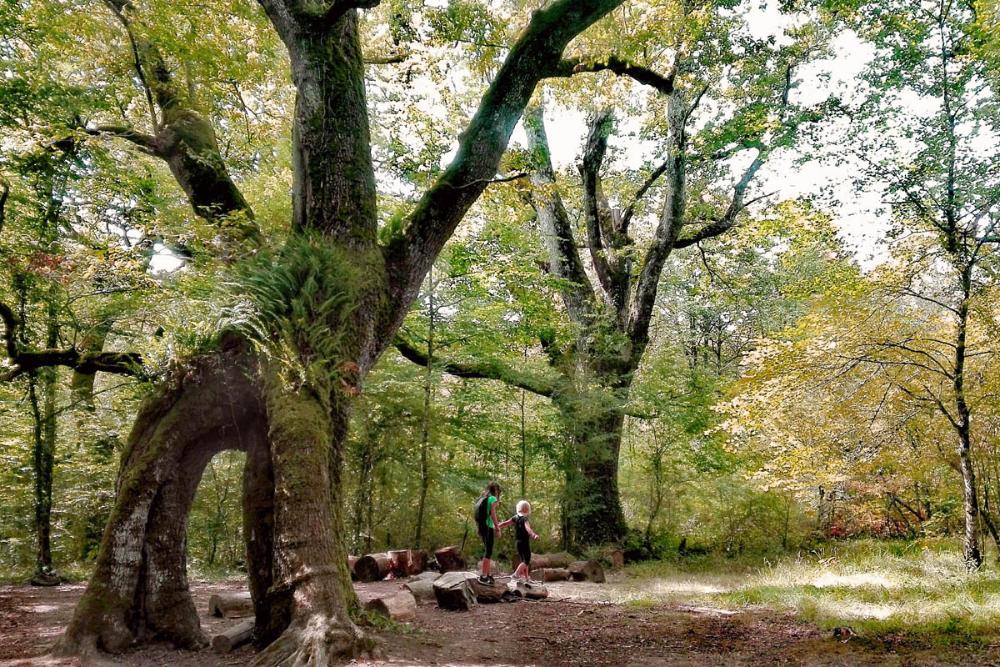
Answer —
480 511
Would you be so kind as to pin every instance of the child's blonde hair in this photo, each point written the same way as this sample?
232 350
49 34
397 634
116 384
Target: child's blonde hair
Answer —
523 507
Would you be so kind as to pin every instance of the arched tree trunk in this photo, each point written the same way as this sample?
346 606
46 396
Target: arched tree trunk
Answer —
139 586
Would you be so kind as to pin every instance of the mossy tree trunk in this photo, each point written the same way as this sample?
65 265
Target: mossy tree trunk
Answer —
293 429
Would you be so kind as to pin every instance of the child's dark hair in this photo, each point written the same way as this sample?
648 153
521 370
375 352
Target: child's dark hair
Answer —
493 489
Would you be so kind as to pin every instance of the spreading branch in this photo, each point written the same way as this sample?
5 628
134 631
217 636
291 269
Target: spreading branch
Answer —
621 67
433 220
481 368
146 142
641 192
736 205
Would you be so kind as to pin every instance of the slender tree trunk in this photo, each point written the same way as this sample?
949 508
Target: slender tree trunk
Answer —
963 426
43 454
524 442
656 486
425 429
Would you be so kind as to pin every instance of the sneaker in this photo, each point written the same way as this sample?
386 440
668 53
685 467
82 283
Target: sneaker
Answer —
483 579
490 580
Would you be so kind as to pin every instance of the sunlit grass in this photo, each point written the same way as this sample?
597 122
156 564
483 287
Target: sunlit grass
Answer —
915 592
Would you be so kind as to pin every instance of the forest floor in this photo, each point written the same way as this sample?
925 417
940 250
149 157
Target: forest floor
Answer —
640 618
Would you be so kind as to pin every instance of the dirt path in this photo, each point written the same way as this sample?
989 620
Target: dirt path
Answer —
554 632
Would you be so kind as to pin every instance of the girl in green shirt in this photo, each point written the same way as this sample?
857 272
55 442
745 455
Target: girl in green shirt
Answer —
486 522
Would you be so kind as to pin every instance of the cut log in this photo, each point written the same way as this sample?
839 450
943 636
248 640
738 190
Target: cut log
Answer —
400 606
543 561
551 574
523 589
230 605
373 567
587 570
453 592
351 562
399 562
233 638
450 559
486 592
418 561
430 575
422 590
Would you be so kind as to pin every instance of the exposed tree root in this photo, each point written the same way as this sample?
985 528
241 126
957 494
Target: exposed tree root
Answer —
314 642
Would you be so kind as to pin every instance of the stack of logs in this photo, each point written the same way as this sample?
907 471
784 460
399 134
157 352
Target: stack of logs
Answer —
563 567
403 563
452 587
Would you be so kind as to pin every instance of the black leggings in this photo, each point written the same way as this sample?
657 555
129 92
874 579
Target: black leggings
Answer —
487 535
524 552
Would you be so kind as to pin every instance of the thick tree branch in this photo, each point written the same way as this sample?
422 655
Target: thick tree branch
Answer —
736 205
186 140
621 67
603 237
640 308
24 361
557 231
486 369
434 218
641 192
387 58
338 8
119 8
146 142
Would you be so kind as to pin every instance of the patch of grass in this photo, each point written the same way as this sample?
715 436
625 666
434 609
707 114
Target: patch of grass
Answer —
896 592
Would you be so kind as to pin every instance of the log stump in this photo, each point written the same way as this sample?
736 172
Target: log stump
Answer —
551 574
496 592
400 606
524 589
450 559
373 567
418 561
587 570
421 589
231 605
399 562
233 638
452 591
